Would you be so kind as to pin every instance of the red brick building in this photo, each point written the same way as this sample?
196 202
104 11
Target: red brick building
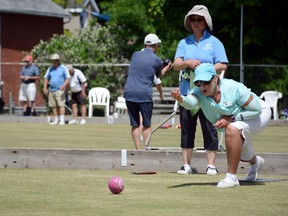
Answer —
23 23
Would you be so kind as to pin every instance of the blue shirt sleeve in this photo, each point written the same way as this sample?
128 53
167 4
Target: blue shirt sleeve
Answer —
180 51
219 52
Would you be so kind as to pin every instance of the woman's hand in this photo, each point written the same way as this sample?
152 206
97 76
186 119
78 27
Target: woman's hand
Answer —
223 122
192 63
176 95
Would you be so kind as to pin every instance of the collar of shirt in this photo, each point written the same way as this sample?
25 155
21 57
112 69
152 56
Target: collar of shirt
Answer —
192 39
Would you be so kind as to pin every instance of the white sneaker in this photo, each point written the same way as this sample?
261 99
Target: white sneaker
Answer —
62 123
83 122
253 172
227 183
211 170
185 170
54 123
74 121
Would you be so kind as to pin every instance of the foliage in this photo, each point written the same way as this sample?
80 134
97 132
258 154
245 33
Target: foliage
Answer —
264 35
98 44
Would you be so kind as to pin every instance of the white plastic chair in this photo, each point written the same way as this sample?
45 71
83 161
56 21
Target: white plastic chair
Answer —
120 105
271 98
99 97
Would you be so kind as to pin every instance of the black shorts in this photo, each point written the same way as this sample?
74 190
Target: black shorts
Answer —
77 99
134 110
188 130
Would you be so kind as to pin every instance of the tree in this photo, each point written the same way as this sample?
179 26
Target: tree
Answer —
97 44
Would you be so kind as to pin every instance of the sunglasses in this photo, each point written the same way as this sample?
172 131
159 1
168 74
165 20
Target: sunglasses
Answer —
200 82
196 20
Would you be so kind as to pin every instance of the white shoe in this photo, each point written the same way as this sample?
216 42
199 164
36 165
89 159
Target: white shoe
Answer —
74 121
185 170
253 172
54 123
227 183
211 170
83 122
62 123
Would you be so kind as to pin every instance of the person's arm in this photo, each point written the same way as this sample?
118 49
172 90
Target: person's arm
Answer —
164 70
45 84
32 78
252 109
188 102
63 87
83 92
159 89
219 67
180 64
67 78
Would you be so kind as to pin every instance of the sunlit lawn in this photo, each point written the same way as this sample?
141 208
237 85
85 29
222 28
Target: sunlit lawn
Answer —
114 136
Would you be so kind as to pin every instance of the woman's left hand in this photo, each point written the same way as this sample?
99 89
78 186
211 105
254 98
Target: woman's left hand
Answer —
223 122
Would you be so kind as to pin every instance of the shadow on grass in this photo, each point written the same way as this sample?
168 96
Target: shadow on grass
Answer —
243 183
194 184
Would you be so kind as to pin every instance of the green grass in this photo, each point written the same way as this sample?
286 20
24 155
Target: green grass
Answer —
115 136
70 192
85 192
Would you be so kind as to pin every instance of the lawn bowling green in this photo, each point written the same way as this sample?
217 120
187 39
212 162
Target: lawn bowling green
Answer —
109 147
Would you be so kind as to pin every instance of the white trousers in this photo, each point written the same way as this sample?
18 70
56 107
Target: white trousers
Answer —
250 128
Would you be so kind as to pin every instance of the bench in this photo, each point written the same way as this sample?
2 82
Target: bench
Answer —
166 106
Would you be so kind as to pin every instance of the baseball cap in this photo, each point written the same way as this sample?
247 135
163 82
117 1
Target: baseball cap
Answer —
55 56
204 72
199 10
69 67
151 39
28 58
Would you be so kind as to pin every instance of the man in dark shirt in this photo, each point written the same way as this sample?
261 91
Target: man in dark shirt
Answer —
138 91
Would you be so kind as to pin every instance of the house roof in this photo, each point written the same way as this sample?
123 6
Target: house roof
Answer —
33 7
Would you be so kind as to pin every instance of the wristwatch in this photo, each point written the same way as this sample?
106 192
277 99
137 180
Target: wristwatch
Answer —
232 118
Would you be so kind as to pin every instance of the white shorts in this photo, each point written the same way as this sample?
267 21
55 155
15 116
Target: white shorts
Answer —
27 92
250 128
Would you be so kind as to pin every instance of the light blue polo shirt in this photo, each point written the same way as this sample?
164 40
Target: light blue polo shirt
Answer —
208 50
233 96
56 77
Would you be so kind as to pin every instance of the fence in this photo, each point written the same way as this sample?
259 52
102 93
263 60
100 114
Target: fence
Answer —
257 77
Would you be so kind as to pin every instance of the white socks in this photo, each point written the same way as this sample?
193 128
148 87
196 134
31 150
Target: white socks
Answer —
231 177
62 118
56 119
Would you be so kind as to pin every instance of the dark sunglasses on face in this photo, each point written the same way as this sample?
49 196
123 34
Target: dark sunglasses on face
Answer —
196 20
200 82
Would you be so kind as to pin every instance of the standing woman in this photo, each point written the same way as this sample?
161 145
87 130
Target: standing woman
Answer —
199 47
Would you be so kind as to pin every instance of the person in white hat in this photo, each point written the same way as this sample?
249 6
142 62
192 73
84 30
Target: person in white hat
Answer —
138 88
231 107
199 47
78 87
58 77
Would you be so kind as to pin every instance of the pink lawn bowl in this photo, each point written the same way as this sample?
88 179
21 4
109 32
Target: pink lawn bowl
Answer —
116 185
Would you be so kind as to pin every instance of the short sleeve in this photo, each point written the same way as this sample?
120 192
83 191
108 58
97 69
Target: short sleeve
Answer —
66 71
47 74
81 76
243 94
219 53
180 51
